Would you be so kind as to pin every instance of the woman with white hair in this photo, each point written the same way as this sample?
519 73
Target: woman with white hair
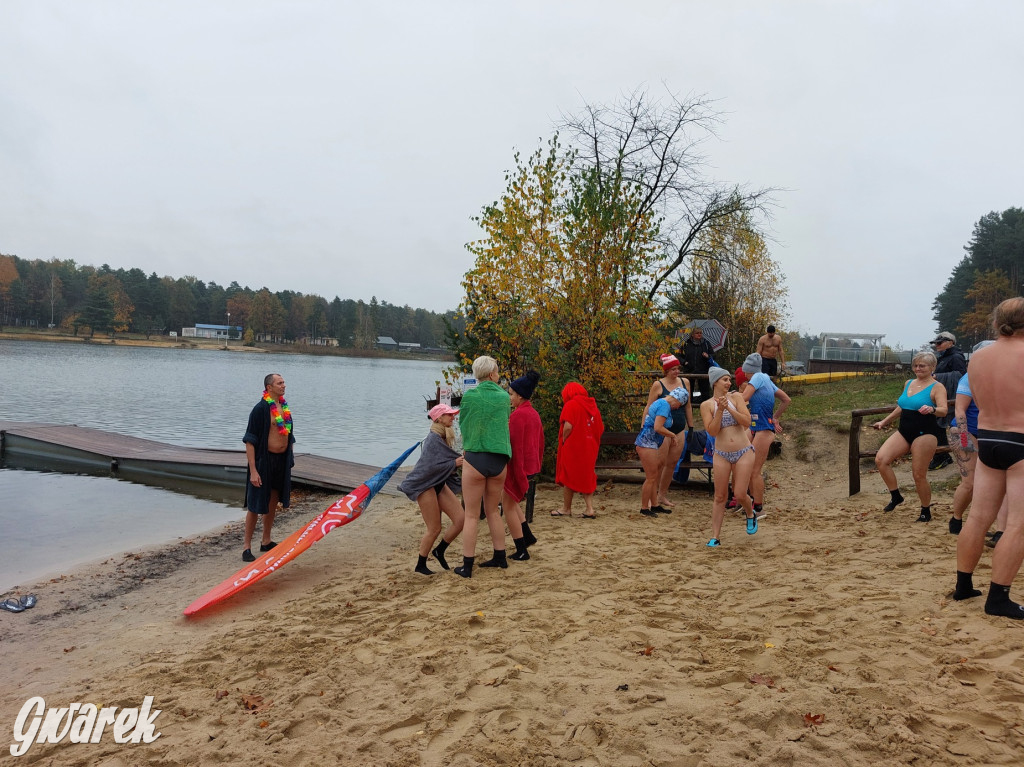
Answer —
487 448
922 402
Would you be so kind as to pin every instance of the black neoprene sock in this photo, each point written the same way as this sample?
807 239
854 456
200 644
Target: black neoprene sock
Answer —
999 603
528 535
498 560
897 499
521 554
438 553
466 570
421 566
965 586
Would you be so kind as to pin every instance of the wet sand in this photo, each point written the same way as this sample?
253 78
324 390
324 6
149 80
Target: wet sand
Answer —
827 638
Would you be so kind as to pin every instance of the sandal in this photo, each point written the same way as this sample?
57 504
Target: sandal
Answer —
28 601
12 605
559 513
589 516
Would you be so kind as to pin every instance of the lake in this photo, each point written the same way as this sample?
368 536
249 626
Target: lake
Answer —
356 409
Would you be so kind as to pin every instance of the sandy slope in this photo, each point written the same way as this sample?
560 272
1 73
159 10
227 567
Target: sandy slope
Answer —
623 641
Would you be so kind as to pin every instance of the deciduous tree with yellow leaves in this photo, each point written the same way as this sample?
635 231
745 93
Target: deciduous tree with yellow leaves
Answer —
732 278
570 273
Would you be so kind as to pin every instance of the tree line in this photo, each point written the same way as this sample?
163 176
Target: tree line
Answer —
80 298
991 271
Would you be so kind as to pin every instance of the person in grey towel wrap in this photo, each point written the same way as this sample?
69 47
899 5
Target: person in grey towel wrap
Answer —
432 483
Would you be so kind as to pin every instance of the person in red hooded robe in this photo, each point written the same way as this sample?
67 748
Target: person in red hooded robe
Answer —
579 437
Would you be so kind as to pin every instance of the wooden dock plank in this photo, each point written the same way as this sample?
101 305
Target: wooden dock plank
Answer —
315 471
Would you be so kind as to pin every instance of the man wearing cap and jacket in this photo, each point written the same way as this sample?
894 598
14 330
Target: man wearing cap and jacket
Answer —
950 366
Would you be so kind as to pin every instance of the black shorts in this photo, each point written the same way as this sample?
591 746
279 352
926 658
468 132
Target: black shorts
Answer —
1000 450
770 366
277 471
488 464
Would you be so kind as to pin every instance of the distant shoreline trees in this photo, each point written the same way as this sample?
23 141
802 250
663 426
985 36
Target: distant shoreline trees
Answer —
81 298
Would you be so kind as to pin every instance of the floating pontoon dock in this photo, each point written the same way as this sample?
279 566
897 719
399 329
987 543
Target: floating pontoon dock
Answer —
219 473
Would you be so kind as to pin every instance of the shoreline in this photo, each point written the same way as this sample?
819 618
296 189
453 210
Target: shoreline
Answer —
209 344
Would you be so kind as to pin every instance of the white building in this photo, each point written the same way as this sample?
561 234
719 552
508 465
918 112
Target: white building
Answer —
212 331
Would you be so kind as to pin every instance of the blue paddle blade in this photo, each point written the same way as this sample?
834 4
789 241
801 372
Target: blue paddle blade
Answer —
378 480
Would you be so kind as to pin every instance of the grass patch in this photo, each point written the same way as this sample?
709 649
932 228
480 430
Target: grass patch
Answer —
830 404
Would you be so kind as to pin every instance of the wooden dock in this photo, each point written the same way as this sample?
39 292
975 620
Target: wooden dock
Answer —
83 450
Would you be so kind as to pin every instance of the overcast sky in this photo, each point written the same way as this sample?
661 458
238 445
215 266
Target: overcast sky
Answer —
340 148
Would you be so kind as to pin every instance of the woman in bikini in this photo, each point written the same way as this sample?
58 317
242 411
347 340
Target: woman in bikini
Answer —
727 419
670 449
656 431
483 418
922 402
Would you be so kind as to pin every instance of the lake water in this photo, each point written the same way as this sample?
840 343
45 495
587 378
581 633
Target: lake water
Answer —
356 409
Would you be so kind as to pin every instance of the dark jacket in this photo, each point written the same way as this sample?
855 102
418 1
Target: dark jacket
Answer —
691 354
951 361
257 433
949 381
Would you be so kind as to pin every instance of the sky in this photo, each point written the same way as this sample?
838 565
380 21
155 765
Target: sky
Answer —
342 148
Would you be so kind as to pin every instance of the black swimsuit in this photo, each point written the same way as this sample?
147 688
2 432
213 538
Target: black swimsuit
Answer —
488 464
678 425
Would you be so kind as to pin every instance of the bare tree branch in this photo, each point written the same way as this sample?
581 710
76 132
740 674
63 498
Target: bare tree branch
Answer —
657 144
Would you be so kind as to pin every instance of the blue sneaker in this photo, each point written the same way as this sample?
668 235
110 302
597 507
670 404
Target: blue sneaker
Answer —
713 543
751 525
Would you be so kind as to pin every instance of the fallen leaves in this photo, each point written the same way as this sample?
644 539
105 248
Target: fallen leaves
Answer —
646 651
254 703
764 679
812 720
70 649
222 694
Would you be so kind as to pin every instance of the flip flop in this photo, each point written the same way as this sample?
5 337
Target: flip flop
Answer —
589 516
28 601
12 605
561 514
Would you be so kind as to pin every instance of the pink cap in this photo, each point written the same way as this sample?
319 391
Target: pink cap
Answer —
439 410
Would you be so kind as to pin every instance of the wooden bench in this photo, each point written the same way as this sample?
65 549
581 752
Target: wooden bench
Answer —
628 438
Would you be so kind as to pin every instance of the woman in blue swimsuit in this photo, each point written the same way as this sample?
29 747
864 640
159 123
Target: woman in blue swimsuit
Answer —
657 429
727 419
760 394
922 402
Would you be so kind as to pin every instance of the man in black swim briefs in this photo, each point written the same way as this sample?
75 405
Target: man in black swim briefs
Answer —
995 374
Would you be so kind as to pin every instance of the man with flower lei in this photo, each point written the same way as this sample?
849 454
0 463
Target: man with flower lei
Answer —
268 450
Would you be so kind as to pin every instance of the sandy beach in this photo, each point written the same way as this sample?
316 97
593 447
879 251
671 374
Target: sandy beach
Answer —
828 638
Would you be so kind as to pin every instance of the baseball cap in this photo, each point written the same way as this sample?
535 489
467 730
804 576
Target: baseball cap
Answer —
945 335
439 410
